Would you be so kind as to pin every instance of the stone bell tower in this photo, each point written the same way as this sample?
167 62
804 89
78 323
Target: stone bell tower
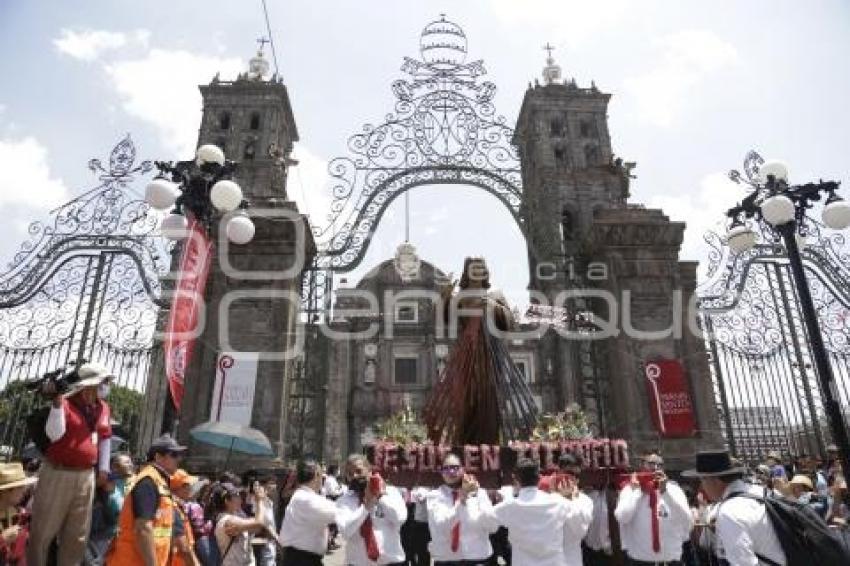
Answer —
253 290
568 171
584 234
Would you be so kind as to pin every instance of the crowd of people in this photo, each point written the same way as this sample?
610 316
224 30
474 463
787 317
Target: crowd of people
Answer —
82 505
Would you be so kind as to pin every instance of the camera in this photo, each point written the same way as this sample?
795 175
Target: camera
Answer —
62 378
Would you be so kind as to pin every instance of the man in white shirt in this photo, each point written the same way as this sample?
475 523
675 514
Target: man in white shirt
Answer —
654 516
370 517
538 522
304 532
581 507
460 518
743 529
598 537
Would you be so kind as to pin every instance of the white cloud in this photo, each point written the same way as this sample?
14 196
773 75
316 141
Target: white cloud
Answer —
702 210
689 59
571 20
26 176
88 45
309 186
162 89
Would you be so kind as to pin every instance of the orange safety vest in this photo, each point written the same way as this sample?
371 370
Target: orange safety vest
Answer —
190 538
124 550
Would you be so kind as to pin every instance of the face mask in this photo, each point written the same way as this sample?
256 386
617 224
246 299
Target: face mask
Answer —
103 390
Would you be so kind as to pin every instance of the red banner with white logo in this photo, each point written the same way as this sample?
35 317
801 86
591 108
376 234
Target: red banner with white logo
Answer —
186 306
669 398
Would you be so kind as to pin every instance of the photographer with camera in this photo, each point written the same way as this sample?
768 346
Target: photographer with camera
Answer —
370 515
78 431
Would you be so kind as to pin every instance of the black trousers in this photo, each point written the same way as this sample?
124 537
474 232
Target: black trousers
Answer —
592 557
296 557
632 562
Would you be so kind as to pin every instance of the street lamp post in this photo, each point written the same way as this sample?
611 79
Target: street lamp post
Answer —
201 188
783 208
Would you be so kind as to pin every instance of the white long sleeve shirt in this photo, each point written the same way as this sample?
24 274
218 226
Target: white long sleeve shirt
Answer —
536 523
579 517
634 515
305 524
55 429
598 533
743 528
476 520
388 515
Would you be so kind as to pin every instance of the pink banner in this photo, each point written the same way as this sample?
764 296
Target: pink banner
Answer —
186 305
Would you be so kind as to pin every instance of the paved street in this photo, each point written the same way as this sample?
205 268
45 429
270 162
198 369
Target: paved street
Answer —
337 557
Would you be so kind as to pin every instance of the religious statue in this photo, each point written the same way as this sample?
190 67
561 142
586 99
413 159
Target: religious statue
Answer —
481 396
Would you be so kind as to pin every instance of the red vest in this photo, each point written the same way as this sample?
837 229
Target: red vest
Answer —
75 448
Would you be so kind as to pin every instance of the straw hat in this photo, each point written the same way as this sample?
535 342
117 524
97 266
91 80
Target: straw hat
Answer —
12 475
802 481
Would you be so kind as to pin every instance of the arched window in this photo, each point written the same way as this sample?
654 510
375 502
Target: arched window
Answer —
567 228
255 121
560 153
591 155
556 127
224 121
250 149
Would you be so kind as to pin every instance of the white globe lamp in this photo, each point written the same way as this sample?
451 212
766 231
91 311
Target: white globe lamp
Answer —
240 230
740 238
836 214
209 153
774 168
226 196
161 194
778 210
175 227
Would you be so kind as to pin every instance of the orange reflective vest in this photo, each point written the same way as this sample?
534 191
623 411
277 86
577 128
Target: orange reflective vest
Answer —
125 549
190 538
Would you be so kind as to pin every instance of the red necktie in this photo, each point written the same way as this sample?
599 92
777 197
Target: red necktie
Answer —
455 527
653 505
368 534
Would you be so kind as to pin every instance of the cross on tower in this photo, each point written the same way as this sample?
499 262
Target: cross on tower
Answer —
548 48
262 41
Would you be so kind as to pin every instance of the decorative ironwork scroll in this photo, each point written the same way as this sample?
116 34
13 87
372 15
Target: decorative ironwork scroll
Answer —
768 393
85 285
444 130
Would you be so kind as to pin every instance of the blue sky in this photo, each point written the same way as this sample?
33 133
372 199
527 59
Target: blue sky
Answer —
695 85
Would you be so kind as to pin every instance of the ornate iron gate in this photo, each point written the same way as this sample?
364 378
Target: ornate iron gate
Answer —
766 388
85 286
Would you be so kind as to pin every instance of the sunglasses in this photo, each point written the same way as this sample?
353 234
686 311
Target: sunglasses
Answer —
454 468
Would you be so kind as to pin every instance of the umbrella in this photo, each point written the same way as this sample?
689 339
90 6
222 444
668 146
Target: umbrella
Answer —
233 437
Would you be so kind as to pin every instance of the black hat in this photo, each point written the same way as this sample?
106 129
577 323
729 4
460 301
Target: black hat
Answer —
713 463
165 444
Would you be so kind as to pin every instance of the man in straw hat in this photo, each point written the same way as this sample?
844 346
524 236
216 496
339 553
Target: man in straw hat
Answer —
744 532
13 485
79 432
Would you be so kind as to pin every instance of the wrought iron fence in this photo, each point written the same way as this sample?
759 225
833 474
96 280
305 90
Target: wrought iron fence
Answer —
766 387
85 286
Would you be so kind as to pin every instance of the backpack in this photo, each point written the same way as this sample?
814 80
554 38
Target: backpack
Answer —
36 421
803 534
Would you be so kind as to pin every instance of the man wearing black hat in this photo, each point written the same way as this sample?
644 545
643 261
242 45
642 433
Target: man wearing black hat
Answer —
743 529
150 527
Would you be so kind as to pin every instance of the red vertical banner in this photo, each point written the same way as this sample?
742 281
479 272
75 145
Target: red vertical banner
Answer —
669 398
186 305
